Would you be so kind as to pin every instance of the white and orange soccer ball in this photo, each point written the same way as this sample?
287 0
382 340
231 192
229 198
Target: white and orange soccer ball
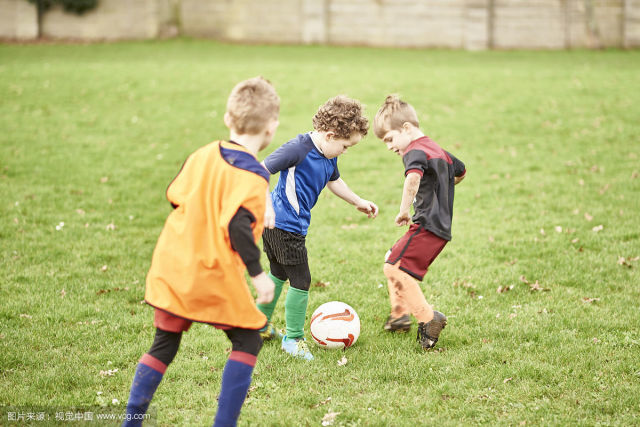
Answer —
335 325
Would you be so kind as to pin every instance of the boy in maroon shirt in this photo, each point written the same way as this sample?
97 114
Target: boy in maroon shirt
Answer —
430 176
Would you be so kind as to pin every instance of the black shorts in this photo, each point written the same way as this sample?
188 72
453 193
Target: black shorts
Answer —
284 247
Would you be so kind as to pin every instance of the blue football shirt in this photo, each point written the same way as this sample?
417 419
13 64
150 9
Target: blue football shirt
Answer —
304 172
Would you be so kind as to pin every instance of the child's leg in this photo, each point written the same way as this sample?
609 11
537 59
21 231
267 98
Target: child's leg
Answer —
398 306
279 276
408 290
149 373
236 377
295 306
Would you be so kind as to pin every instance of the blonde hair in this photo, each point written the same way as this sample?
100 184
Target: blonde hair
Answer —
252 104
341 115
392 115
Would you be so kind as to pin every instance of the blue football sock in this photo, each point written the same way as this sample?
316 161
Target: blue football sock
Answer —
236 379
148 375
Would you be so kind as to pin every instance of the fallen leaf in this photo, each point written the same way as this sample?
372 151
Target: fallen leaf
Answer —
626 262
109 373
63 293
542 231
590 300
329 418
111 226
324 402
506 380
536 287
26 316
558 229
588 217
321 284
503 289
575 240
597 228
533 286
342 361
604 189
634 174
513 315
104 179
80 212
104 268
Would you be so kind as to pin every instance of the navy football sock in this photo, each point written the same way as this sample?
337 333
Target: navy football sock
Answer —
236 379
148 375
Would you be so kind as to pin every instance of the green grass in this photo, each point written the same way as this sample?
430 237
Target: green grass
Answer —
90 135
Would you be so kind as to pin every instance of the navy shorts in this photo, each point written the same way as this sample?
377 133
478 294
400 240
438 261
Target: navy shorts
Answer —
416 250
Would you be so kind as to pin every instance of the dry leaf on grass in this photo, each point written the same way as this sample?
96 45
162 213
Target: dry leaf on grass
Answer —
588 300
324 402
533 286
503 289
626 262
108 373
597 228
321 284
342 361
329 418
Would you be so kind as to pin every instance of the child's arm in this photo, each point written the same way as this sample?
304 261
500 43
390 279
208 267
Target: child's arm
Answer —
242 241
411 185
340 189
269 213
458 168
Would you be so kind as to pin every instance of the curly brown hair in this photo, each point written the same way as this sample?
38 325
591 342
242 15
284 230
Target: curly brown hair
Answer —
341 115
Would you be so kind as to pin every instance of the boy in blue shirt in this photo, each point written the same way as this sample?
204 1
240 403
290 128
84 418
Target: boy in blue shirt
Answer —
307 164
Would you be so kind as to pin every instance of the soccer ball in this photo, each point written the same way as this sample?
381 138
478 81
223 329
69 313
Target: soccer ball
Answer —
335 325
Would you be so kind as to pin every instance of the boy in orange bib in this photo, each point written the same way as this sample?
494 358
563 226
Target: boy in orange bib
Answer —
208 240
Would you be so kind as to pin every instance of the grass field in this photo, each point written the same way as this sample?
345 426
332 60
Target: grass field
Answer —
541 281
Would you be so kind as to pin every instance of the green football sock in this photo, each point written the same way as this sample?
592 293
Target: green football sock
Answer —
295 310
267 309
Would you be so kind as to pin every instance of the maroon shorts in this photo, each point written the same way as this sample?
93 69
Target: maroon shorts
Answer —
170 323
416 250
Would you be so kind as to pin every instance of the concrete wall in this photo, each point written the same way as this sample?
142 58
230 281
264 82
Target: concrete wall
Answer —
111 20
18 20
466 24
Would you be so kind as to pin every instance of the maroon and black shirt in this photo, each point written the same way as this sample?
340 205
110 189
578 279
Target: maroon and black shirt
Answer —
433 205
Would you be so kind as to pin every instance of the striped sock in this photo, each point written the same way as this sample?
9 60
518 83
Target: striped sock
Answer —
236 379
148 375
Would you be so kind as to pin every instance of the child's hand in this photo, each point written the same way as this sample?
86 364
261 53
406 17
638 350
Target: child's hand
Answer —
269 217
365 206
403 218
264 287
269 213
